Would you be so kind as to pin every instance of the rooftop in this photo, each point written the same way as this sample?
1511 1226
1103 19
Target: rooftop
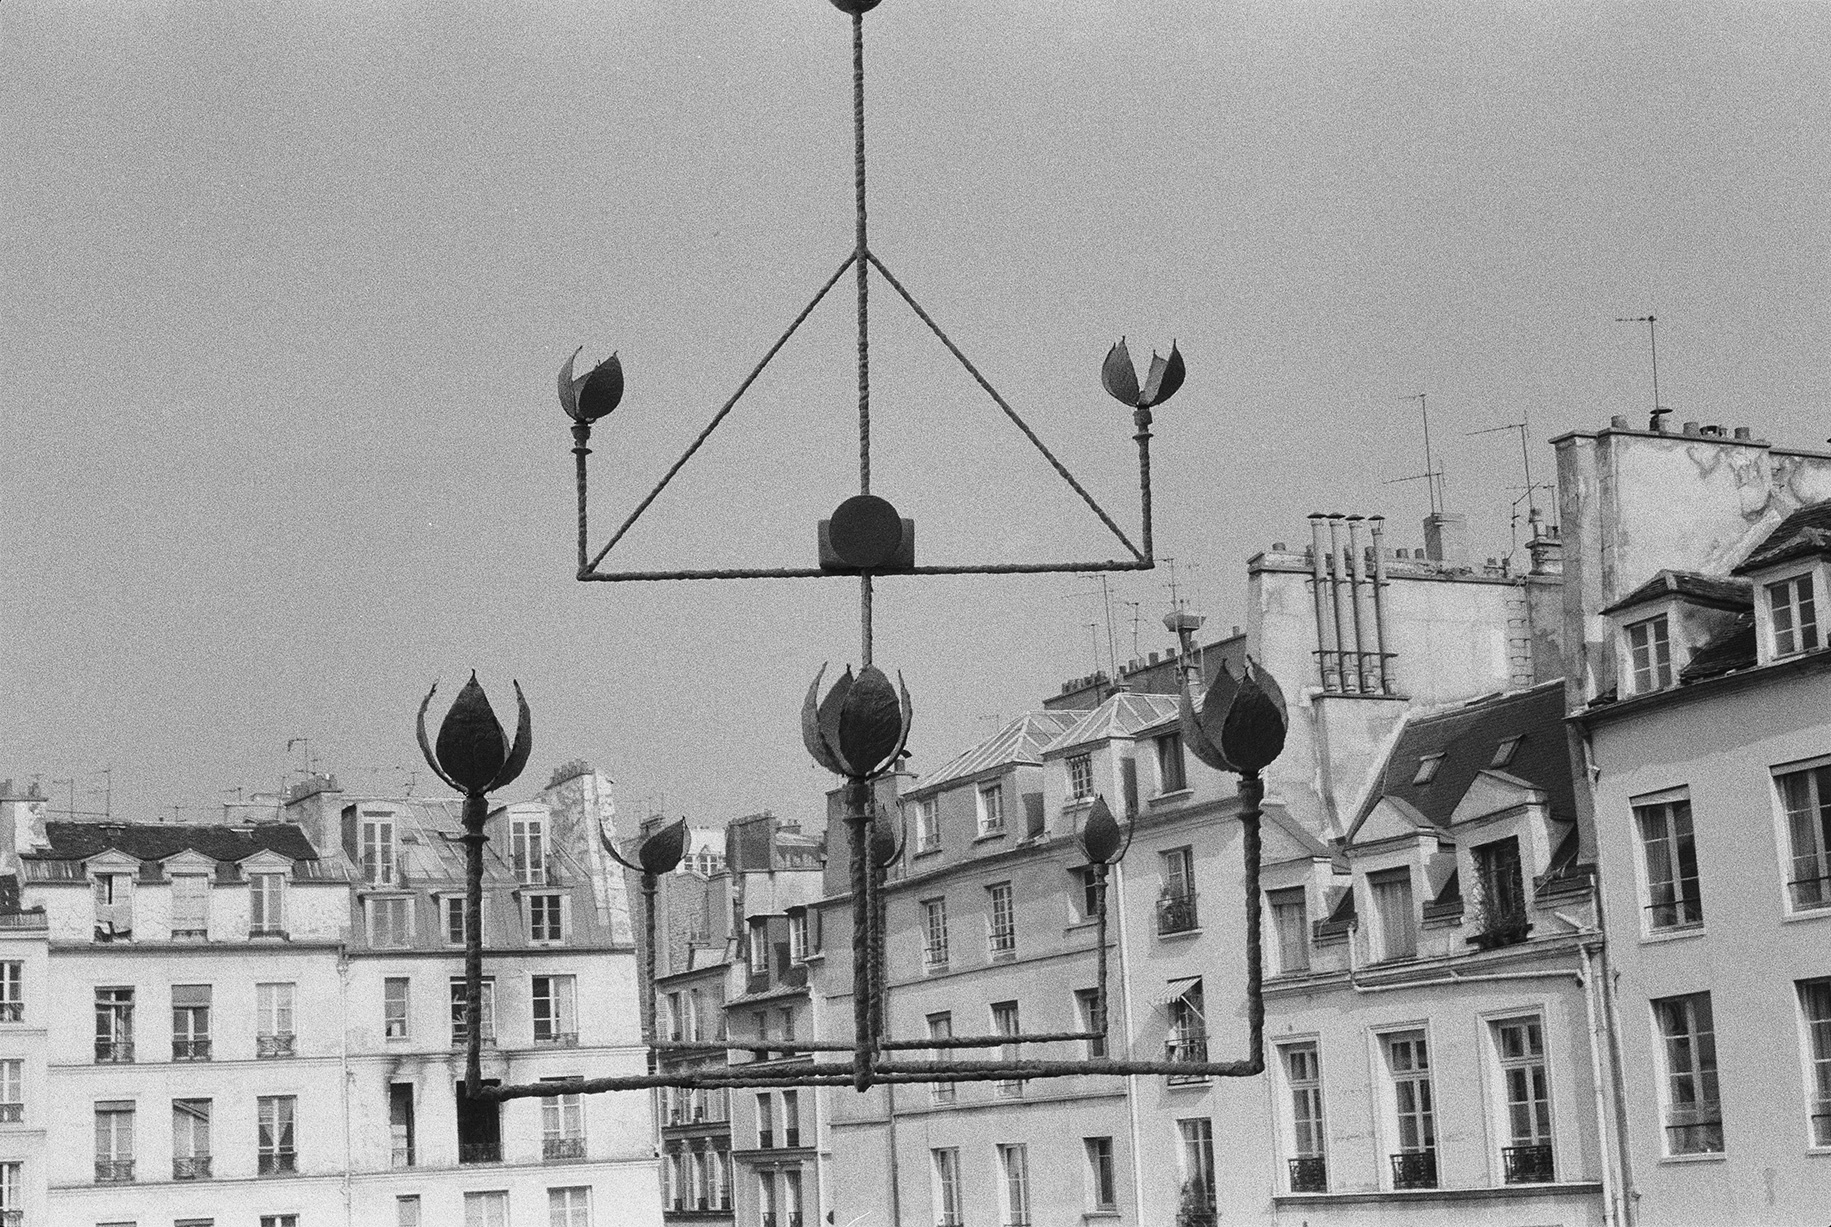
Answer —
1806 532
1023 740
156 841
1694 585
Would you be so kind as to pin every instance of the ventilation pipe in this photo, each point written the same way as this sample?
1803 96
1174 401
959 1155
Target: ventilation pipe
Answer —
1342 589
1376 525
1326 657
1363 617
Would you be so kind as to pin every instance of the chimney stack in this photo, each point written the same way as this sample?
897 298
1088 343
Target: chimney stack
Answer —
1446 539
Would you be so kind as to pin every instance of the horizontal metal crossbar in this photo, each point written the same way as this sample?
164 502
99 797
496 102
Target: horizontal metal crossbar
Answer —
985 568
939 1041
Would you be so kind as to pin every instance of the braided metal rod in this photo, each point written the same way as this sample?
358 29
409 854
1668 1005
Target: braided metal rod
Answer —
476 811
711 426
1099 1020
859 253
949 1041
858 817
1015 417
988 568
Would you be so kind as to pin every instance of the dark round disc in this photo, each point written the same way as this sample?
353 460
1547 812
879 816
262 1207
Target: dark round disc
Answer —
865 531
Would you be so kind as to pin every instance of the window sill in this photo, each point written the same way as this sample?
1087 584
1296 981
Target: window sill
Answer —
1171 797
1180 934
928 850
1677 933
1714 1156
1003 956
1797 915
1075 805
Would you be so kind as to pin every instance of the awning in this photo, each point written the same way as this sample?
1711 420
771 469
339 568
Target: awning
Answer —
1181 986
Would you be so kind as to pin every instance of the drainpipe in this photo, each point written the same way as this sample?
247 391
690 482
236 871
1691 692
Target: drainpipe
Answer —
1357 599
1131 1080
1344 622
1610 1210
343 1052
1377 526
1327 661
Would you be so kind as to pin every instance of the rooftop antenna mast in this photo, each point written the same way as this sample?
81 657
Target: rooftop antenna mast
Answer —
1432 476
1134 606
1649 319
1529 493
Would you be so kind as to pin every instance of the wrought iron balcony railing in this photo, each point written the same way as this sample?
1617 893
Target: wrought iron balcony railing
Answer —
1414 1169
114 1052
1811 892
12 1011
1700 1135
278 1163
562 1148
11 1113
557 1039
400 1156
197 1167
267 931
12 1218
190 935
1176 913
114 1171
791 1138
766 1139
480 1152
277 1045
1309 1174
1190 1047
190 1050
1527 1164
1676 914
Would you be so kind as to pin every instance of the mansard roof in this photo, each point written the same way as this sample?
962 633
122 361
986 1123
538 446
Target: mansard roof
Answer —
1691 585
1023 740
1122 715
1465 742
1804 533
157 841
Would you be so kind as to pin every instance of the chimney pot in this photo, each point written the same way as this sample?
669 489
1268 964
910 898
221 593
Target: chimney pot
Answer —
1153 658
1235 633
1278 547
1743 432
1691 430
1618 422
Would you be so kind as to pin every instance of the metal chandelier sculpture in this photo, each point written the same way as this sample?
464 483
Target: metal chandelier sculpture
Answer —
857 730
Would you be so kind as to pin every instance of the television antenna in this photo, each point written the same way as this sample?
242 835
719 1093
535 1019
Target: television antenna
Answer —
1649 319
1528 492
1432 476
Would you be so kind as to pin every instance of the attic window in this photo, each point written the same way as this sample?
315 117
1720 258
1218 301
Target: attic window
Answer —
1427 768
1503 753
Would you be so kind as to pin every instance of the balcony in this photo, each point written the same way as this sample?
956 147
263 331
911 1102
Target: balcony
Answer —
1810 893
1176 914
1414 1169
267 1047
1676 914
190 1050
1191 1047
934 958
114 1171
279 1163
1527 1164
1309 1174
480 1152
562 1148
559 1039
12 1218
12 1011
197 1167
114 1052
1695 1129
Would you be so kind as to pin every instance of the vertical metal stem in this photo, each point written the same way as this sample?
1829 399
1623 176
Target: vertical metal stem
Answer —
858 192
1142 419
864 1043
1252 796
865 619
476 809
649 1002
1099 1019
879 1005
581 436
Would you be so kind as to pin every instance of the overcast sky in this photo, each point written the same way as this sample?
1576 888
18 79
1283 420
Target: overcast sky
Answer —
286 287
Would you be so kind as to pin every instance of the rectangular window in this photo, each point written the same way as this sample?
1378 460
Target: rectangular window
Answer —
1291 926
791 1118
1197 1165
1499 906
544 918
555 1016
1090 893
940 1026
12 991
1080 777
791 1195
569 1207
1014 1166
1414 1166
934 933
528 850
114 1025
1102 1182
1650 649
487 1209
395 1007
277 1220
1087 1012
766 1120
190 1022
12 1092
1519 1043
407 1211
1396 931
390 922
1693 1111
488 1004
928 825
114 1142
273 1019
1815 1008
378 847
1172 775
1795 616
991 809
1176 900
562 1125
114 906
948 1203
1806 798
190 1139
190 907
1187 1039
266 905
402 1143
797 936
12 1195
1303 1080
1670 855
1001 922
277 1149
451 915
1004 1022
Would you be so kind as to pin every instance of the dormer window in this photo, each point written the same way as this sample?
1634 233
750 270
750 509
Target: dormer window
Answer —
1795 617
378 847
1650 649
528 850
1427 768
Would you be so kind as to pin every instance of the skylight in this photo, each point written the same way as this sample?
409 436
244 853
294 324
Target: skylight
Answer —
1503 753
1427 768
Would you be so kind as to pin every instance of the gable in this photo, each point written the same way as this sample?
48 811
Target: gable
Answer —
1494 792
188 861
1390 818
112 861
266 861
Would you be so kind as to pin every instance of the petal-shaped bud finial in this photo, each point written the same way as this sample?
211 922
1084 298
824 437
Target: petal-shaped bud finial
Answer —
855 6
1102 842
1252 734
594 394
886 840
1118 376
472 753
1202 729
661 851
1121 379
1166 376
860 728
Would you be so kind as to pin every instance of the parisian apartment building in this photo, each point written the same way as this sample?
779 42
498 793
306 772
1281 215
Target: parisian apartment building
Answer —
255 1023
1546 857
